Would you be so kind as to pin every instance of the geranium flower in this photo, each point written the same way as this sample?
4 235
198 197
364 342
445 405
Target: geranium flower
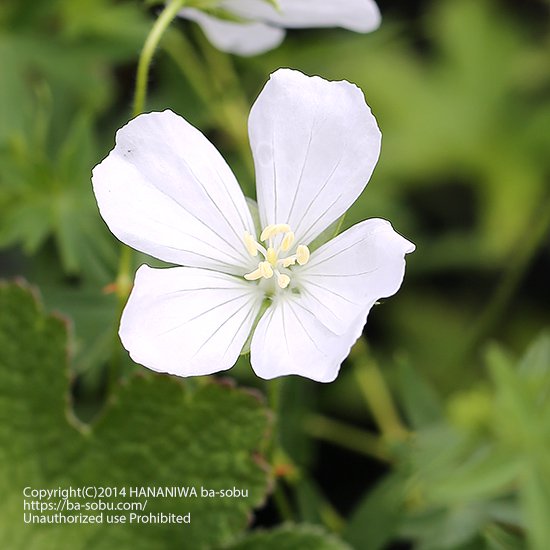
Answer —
166 191
255 26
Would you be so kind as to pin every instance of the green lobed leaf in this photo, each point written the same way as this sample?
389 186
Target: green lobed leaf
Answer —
50 195
155 432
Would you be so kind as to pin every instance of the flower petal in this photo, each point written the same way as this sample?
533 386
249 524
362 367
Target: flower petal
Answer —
356 268
166 191
290 340
315 144
247 38
355 15
188 321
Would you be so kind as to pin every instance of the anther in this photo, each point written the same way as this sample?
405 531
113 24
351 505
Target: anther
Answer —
302 254
267 232
254 275
251 244
266 270
286 262
274 229
282 228
271 263
283 280
288 241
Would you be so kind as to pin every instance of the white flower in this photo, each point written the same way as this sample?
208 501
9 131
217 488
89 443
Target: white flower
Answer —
166 191
259 26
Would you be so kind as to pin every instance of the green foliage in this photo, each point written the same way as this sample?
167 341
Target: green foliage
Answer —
56 60
472 111
48 194
479 472
290 537
376 520
460 92
154 432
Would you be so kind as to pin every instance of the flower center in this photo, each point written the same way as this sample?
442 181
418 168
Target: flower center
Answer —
277 253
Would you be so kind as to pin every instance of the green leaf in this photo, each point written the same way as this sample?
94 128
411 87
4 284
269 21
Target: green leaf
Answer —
498 538
484 474
156 431
535 494
453 529
421 403
522 406
291 537
536 360
308 500
296 402
50 194
377 518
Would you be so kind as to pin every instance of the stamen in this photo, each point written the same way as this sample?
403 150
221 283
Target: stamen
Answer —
302 254
271 263
267 232
282 228
266 270
274 229
288 241
283 280
254 275
251 244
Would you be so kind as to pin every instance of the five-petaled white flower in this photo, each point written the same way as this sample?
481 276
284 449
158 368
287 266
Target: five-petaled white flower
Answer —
259 25
166 191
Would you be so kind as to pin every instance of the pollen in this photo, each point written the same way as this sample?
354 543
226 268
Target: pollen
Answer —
279 254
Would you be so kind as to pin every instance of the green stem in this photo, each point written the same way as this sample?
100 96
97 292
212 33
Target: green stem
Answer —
161 24
282 503
275 451
123 281
529 242
346 436
376 393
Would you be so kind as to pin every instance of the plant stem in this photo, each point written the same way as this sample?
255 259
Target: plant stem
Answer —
282 503
123 281
346 436
377 395
529 242
161 24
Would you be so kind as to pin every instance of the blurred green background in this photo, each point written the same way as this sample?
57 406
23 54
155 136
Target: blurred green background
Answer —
436 434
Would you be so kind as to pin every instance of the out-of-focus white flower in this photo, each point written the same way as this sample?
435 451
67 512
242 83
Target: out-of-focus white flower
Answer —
258 25
166 191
